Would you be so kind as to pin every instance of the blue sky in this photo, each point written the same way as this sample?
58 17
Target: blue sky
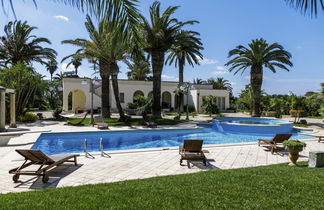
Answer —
223 25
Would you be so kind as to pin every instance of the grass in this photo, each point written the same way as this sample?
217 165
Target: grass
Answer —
132 122
300 125
267 187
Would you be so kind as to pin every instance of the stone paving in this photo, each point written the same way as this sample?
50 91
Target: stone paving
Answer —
132 164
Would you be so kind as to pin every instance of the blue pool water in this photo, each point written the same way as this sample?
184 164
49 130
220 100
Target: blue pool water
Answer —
252 125
53 143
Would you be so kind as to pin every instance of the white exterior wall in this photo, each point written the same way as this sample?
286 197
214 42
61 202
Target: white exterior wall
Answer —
197 96
129 87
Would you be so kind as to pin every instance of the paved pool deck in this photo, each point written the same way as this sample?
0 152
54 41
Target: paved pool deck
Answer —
132 164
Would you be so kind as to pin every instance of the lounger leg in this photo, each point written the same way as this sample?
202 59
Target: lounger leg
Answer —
188 164
181 161
75 161
205 162
45 178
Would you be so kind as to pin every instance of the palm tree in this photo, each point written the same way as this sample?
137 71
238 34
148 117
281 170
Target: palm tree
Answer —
75 61
257 55
20 45
199 81
125 10
158 35
109 44
186 49
308 6
139 67
51 67
220 83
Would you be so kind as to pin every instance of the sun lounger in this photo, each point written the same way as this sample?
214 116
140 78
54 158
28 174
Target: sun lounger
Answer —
100 123
192 151
273 143
46 162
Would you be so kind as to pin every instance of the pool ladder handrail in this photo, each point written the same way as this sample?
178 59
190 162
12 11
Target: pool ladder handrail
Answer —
87 154
103 154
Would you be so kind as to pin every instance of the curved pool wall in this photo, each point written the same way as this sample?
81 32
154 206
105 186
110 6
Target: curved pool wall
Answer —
252 125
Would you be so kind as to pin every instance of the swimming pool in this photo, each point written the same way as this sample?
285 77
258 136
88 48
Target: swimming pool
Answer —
252 125
53 143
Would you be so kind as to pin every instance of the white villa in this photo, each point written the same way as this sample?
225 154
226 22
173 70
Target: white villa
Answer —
79 90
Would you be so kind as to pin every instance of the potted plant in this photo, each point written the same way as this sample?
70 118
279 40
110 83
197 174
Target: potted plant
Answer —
294 147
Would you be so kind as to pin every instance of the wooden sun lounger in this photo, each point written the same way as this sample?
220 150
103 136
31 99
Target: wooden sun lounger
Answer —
192 151
273 143
37 157
100 123
320 138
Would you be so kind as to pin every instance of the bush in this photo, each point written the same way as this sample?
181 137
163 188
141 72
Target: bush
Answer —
56 113
190 107
209 105
294 143
28 117
40 116
132 106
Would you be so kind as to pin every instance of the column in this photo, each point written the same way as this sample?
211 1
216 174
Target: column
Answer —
2 110
13 110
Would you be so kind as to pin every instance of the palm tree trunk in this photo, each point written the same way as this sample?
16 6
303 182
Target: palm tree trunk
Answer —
105 89
115 69
256 84
181 98
157 67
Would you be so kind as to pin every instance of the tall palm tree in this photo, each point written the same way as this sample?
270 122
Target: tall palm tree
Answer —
158 35
220 83
51 67
123 9
186 49
20 45
308 6
256 56
75 61
108 44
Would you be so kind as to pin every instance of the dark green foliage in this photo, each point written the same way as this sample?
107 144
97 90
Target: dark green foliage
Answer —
56 113
210 105
294 143
190 107
28 117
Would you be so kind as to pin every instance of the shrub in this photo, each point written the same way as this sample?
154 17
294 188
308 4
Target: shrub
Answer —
40 116
132 106
56 113
190 107
294 143
209 105
28 117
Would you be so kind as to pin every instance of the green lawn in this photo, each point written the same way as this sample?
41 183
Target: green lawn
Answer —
132 122
268 187
300 125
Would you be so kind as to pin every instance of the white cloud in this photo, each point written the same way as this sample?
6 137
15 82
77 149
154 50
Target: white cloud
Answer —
206 61
219 73
66 68
169 77
61 17
220 70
